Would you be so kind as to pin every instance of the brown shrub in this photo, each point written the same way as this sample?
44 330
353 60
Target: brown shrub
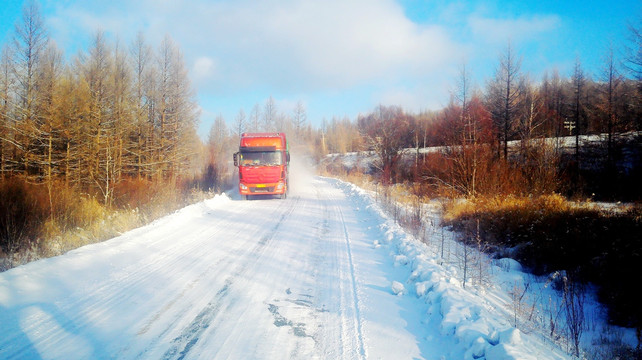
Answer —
134 193
23 207
152 199
476 171
548 233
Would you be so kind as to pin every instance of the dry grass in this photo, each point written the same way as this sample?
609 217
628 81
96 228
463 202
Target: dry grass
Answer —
549 233
39 221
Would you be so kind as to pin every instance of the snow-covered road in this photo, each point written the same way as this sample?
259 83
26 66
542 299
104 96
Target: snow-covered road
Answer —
303 278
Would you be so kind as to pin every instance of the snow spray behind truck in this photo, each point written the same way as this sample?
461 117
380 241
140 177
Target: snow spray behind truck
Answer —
263 160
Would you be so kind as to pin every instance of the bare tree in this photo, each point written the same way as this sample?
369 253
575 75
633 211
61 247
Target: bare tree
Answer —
217 153
218 134
240 123
123 111
71 116
30 40
608 99
342 135
504 94
578 82
46 132
176 114
255 118
553 101
141 139
269 114
387 133
98 146
633 64
299 118
6 121
531 115
283 122
465 134
573 299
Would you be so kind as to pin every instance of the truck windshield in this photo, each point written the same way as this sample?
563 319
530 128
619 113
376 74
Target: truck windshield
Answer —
261 158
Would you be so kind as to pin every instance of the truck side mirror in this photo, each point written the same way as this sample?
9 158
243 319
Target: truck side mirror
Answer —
287 156
236 159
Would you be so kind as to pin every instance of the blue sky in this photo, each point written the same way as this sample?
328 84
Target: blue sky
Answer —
344 57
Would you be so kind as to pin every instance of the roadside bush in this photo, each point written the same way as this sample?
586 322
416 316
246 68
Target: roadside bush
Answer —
151 198
478 171
548 233
72 209
133 192
41 220
22 209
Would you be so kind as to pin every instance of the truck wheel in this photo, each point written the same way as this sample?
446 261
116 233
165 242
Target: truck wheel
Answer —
284 196
243 197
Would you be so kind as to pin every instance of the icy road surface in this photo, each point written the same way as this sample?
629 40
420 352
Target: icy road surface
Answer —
301 278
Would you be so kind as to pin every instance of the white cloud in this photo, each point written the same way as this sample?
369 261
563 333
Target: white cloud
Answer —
204 69
291 44
519 29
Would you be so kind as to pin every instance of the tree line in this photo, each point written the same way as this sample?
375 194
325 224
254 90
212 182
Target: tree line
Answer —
112 112
504 121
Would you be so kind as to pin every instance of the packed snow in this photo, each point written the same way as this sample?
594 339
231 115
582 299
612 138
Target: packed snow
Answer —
324 274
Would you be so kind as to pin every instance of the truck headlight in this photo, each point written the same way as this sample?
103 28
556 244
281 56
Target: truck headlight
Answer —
279 186
243 187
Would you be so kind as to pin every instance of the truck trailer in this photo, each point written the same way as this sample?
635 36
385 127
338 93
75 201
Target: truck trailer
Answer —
263 160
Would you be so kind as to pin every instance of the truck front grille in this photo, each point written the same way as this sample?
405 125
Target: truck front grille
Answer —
262 190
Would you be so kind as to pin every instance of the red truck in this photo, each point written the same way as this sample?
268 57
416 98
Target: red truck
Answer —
263 160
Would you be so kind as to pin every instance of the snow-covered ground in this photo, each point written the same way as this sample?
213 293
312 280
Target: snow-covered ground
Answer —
324 274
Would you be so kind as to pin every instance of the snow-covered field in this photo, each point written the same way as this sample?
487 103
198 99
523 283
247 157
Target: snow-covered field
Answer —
323 274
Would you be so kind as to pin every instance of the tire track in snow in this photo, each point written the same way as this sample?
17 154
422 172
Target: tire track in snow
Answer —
355 297
183 343
351 343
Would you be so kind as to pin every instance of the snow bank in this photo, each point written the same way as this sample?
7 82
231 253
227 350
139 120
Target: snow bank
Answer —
478 325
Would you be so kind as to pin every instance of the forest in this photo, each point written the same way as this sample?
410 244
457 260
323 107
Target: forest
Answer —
112 128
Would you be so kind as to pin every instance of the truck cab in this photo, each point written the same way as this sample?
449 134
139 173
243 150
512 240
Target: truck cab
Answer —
263 160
